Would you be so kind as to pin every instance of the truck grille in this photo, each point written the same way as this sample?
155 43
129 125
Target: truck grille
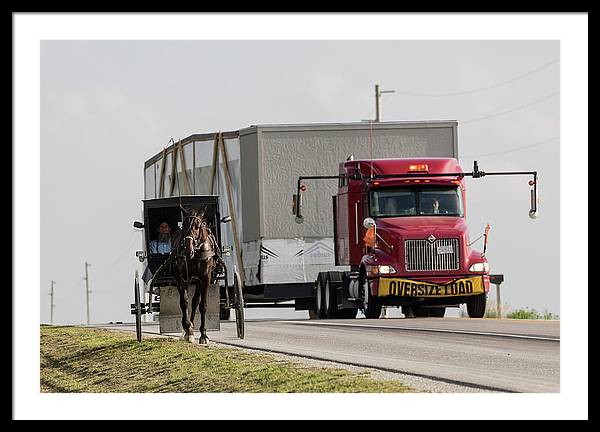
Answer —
421 255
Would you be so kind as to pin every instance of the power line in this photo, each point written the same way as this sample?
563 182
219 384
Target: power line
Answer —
511 110
480 89
514 149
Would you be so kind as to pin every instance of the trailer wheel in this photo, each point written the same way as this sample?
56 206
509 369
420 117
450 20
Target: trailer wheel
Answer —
371 305
319 297
330 303
476 306
437 312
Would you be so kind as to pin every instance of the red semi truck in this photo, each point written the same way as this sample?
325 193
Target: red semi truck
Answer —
400 224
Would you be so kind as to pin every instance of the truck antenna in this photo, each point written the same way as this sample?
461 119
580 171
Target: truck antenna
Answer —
371 145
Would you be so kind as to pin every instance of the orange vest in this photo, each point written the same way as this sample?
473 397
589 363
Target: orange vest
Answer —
369 237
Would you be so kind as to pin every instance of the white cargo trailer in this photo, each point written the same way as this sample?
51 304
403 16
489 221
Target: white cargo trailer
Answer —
281 259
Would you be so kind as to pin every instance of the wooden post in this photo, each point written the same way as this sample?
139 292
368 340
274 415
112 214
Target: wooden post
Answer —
238 250
498 302
173 170
214 163
161 188
186 182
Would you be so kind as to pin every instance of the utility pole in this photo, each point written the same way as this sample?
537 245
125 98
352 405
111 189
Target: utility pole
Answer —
52 302
378 94
87 291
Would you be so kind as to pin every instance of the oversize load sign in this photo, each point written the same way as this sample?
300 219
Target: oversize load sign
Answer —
409 288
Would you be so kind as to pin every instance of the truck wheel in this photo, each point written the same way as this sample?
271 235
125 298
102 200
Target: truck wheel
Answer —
476 306
330 303
437 312
320 297
371 305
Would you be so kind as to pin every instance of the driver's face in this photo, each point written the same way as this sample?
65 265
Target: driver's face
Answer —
164 228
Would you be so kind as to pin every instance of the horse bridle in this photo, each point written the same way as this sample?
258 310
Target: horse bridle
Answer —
194 240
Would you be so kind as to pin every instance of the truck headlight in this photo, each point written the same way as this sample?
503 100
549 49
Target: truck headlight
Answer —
480 267
383 269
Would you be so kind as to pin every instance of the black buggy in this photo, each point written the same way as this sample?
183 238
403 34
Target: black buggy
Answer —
225 289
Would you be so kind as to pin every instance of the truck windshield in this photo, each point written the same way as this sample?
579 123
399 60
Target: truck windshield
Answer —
429 201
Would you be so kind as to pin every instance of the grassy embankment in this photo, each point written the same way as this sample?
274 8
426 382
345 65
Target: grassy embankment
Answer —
508 312
74 359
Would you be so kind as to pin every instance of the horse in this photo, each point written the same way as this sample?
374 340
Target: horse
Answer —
195 255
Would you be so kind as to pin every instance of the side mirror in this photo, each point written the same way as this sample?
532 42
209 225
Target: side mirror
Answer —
226 219
297 207
534 200
369 223
486 236
137 224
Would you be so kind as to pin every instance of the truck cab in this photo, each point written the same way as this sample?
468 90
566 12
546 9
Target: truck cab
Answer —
419 257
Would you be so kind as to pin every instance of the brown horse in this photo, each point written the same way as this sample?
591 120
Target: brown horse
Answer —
195 254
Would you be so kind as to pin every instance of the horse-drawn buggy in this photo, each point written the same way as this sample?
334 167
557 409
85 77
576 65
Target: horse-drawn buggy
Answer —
186 278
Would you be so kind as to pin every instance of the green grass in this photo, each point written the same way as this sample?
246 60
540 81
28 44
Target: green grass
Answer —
492 313
74 359
532 314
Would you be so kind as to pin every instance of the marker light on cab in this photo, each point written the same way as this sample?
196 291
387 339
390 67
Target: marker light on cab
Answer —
382 269
480 267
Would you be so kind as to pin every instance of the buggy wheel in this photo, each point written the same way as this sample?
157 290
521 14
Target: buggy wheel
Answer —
239 305
138 308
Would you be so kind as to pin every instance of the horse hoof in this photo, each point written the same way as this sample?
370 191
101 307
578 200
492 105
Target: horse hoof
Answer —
203 341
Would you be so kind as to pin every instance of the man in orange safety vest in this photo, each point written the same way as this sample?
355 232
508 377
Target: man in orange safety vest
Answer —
369 238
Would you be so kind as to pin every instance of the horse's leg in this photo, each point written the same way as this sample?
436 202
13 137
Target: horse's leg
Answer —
183 304
203 303
195 301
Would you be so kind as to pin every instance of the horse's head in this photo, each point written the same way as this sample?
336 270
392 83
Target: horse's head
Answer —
195 231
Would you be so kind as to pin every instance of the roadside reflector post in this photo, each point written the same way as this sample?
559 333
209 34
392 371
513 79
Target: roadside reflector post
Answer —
497 280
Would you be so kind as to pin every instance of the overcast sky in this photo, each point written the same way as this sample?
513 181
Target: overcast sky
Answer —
107 106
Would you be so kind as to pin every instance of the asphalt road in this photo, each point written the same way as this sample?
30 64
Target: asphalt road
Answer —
493 355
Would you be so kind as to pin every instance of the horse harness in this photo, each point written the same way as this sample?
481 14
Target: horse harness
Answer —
202 251
206 248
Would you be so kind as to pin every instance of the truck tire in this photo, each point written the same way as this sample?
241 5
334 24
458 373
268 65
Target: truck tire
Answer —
320 297
371 305
330 298
476 306
437 312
